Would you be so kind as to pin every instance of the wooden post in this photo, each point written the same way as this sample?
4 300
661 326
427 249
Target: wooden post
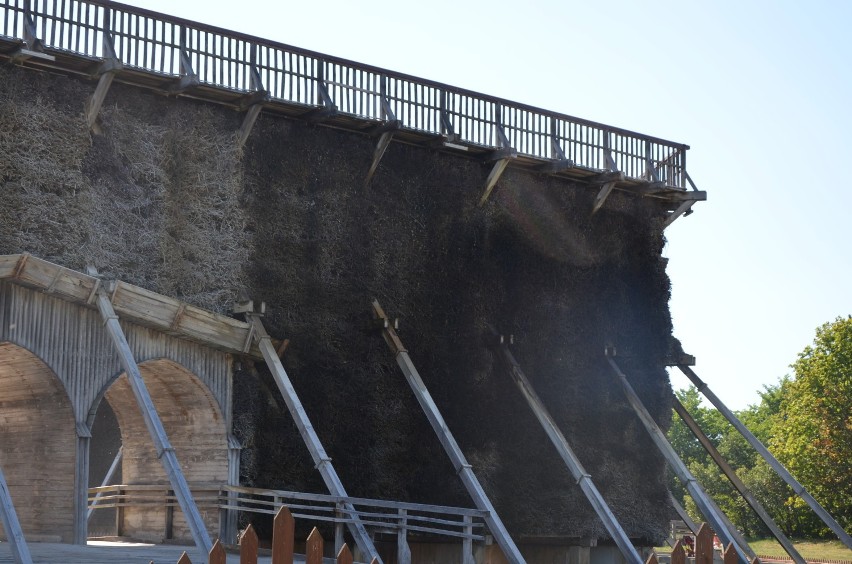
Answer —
119 513
184 559
403 551
217 554
344 555
314 548
678 553
248 546
170 515
338 527
467 542
81 485
12 527
704 545
283 537
652 559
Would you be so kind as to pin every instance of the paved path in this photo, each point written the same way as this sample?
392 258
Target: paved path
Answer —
103 552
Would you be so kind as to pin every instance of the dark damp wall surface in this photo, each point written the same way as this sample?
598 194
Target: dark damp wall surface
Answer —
164 199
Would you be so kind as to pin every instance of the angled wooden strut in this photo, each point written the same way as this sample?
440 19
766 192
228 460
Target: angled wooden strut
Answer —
386 128
303 424
188 76
33 47
736 481
705 504
608 186
501 156
584 479
106 73
12 527
253 103
773 462
561 161
451 447
164 449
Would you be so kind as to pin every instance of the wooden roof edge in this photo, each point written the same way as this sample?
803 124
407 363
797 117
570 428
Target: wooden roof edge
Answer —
133 303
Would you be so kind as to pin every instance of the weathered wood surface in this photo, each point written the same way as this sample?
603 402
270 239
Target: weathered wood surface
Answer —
132 303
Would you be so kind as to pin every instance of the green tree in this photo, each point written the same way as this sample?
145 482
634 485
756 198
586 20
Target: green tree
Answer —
813 433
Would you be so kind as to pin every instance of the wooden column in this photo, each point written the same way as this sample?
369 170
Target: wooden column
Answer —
81 485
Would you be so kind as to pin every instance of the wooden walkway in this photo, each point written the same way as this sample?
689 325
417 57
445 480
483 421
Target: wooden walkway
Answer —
105 552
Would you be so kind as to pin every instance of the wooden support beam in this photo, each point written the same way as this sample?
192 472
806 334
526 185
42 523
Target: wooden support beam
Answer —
606 177
33 47
162 447
572 462
81 484
253 103
770 459
560 162
113 468
603 194
309 435
737 482
448 442
11 525
106 72
188 76
502 155
684 209
381 147
705 504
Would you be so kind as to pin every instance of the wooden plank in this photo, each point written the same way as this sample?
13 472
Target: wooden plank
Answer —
344 556
283 527
7 265
314 548
248 546
184 559
652 559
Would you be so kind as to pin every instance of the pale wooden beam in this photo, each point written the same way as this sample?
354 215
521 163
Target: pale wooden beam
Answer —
33 47
12 526
254 103
388 127
106 71
603 194
188 76
502 155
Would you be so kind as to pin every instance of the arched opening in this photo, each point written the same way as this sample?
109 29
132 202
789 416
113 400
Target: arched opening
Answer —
197 431
38 445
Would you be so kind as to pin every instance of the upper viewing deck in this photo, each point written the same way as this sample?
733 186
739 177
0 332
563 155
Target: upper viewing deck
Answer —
182 57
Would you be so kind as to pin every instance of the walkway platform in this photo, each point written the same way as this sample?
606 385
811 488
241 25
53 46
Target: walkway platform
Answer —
107 552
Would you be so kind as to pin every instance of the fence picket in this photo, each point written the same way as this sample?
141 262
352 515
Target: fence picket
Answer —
314 548
184 559
678 553
248 546
730 555
217 554
704 545
345 555
283 530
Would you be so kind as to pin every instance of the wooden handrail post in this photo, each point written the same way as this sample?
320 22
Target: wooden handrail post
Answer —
338 526
467 542
403 551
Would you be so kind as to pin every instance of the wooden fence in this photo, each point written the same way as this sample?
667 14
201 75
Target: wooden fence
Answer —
165 46
283 546
704 551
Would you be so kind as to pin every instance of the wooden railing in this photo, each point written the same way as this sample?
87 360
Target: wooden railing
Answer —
451 524
164 45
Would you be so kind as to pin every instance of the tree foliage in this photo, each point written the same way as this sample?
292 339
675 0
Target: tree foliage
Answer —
806 422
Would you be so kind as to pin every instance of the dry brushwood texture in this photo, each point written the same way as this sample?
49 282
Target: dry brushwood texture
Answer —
163 199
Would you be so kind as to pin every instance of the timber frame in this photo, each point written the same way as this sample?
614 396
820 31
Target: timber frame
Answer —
141 306
109 41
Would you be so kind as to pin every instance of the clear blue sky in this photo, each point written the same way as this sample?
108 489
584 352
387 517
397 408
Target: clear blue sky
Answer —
760 90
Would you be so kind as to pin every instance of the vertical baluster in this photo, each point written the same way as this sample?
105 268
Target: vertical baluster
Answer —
467 541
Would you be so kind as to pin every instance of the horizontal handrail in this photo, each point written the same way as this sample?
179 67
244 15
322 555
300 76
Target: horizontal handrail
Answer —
152 42
381 515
